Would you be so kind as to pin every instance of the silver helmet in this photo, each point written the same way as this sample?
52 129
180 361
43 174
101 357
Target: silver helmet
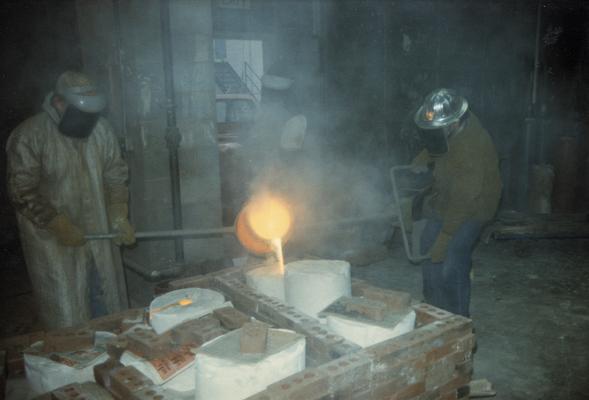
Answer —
440 108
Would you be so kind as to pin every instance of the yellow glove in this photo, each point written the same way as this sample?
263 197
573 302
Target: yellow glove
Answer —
117 215
65 231
440 247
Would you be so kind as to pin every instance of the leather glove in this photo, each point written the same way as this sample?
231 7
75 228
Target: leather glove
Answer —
440 247
117 215
66 232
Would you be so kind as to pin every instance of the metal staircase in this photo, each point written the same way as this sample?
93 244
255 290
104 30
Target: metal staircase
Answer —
229 81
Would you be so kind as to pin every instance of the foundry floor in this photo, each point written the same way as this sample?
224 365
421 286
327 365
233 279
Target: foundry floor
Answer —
530 306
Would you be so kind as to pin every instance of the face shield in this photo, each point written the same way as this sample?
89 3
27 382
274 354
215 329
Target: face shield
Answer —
76 123
434 140
84 104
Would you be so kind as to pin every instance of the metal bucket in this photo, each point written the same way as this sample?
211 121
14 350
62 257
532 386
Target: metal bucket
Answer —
249 238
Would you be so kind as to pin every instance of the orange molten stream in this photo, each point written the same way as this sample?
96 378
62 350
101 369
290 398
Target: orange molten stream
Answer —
269 217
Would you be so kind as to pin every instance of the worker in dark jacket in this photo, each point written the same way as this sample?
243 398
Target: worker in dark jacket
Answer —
465 195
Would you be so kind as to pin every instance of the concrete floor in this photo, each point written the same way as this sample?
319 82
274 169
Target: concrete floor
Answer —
530 306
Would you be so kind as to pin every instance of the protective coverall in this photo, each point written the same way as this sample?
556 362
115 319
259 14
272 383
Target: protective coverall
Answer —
465 195
50 174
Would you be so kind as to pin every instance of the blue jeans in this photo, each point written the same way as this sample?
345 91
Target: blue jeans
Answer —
447 284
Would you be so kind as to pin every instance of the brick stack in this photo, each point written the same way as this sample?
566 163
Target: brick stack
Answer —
432 362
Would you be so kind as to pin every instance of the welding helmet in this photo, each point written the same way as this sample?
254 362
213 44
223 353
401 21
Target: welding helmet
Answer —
441 114
83 104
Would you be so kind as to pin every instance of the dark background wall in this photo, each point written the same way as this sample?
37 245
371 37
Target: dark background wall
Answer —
39 40
367 63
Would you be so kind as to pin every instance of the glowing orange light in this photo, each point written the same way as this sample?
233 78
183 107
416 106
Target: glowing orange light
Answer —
429 115
269 217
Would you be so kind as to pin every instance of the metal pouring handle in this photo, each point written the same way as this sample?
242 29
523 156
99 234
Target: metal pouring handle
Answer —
194 233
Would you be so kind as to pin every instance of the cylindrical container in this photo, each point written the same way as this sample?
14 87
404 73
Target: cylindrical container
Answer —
173 308
565 179
245 231
541 182
312 285
267 280
223 372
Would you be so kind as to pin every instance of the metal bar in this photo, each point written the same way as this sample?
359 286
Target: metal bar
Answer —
537 55
171 234
214 232
173 136
410 256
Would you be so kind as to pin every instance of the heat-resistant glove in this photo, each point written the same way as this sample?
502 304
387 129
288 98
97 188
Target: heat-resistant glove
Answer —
117 215
440 247
65 231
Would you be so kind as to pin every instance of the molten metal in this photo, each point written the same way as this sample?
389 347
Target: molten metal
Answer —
263 223
269 217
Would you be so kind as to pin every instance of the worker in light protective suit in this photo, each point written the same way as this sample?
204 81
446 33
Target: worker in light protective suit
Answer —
66 178
464 196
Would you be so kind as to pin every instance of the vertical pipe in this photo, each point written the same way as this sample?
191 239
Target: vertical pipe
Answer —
173 136
537 55
531 120
119 55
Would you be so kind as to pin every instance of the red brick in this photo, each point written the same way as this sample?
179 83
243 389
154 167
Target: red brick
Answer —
439 352
128 380
103 372
397 390
194 331
426 313
230 317
439 373
421 340
67 340
409 392
253 337
406 370
394 300
147 344
350 373
371 309
309 384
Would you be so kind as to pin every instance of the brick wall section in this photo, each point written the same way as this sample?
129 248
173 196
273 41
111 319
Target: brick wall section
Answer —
322 346
433 362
